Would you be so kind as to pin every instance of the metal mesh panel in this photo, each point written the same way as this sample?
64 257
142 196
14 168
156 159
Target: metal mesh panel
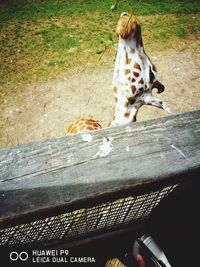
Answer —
84 222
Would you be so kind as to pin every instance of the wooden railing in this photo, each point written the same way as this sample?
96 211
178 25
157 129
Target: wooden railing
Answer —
65 191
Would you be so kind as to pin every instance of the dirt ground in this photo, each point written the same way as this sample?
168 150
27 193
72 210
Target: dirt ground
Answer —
42 111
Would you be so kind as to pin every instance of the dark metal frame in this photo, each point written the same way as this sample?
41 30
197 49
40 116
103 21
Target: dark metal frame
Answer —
144 196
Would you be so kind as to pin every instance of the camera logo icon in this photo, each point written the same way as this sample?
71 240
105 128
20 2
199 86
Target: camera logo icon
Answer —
14 256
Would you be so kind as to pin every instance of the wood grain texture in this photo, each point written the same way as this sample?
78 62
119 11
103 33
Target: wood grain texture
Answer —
58 171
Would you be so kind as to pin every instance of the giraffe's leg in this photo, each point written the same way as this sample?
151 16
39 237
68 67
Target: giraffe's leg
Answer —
151 100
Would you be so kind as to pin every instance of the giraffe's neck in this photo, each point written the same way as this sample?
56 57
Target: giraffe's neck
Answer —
128 49
131 42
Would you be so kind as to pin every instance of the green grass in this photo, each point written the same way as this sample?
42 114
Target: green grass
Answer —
27 9
181 32
45 37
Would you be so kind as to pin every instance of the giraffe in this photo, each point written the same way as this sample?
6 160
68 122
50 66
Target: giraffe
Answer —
81 125
134 75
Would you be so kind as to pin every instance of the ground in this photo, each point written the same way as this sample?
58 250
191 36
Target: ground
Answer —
57 61
43 110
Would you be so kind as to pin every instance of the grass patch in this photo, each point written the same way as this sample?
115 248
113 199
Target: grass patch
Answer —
69 43
30 9
42 38
181 32
54 62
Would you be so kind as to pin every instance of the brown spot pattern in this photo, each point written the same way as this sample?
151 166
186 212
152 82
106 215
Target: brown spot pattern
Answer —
70 128
97 126
82 128
126 104
92 123
133 80
132 50
89 123
127 114
115 90
140 93
128 60
74 129
131 100
141 81
116 99
82 124
137 66
133 88
136 74
90 128
127 71
90 120
129 78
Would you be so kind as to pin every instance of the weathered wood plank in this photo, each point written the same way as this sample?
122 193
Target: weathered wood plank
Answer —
46 174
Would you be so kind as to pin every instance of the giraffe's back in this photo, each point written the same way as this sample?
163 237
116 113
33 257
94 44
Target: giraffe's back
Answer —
81 124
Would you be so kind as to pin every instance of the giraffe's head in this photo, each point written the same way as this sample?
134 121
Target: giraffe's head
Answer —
128 25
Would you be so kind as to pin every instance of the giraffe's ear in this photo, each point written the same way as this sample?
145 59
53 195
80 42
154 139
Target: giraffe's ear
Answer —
159 86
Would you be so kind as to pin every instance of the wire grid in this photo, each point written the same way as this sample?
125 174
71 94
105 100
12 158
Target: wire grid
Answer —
84 222
114 263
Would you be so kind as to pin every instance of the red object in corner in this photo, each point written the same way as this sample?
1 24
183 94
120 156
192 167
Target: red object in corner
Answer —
140 260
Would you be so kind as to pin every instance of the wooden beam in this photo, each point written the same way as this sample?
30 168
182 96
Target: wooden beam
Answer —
58 172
